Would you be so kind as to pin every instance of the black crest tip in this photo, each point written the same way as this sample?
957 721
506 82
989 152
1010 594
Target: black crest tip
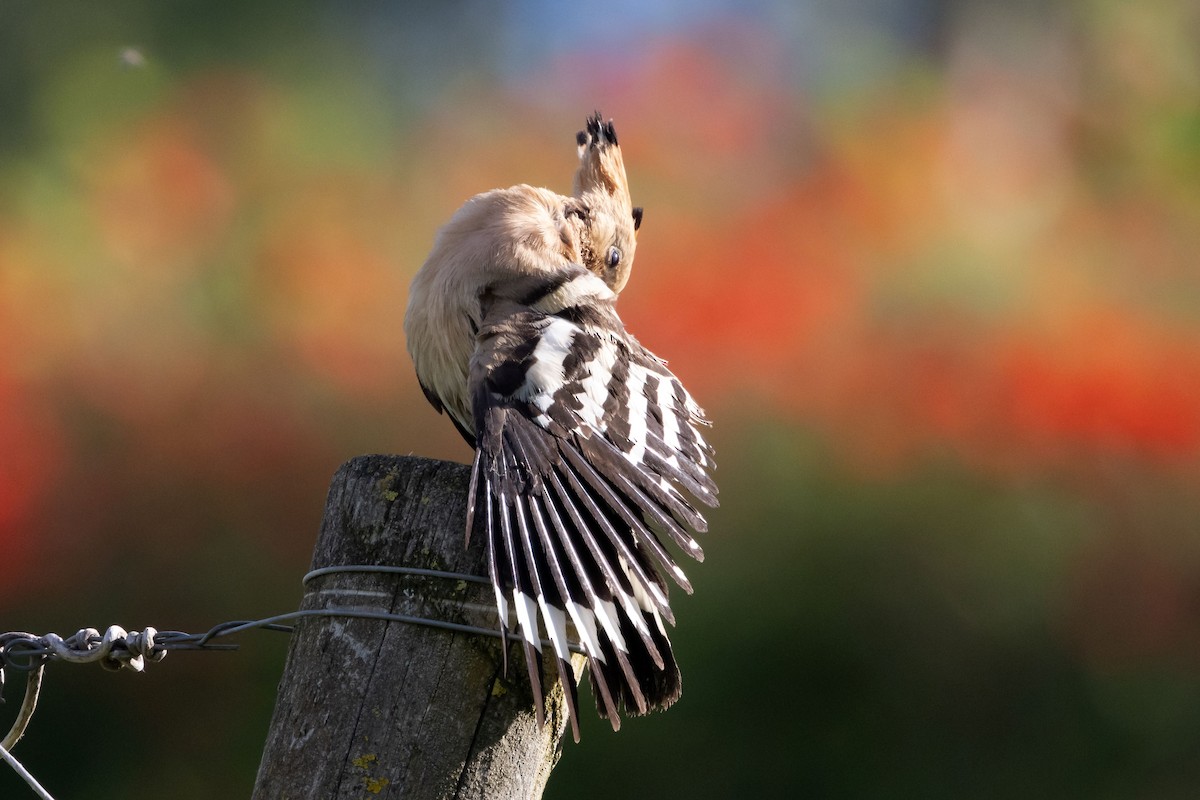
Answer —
610 132
598 132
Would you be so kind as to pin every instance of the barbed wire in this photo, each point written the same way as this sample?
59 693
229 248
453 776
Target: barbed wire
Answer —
117 649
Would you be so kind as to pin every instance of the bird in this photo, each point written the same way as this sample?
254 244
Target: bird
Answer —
589 452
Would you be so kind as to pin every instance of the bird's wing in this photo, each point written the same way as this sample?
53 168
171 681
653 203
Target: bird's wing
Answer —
585 445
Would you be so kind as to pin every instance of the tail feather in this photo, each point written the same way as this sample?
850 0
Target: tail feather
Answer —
641 686
570 695
602 694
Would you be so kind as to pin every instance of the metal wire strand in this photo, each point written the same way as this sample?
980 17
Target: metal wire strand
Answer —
117 649
387 569
19 768
33 685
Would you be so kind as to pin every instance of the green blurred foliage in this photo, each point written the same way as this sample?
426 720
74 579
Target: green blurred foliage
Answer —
930 266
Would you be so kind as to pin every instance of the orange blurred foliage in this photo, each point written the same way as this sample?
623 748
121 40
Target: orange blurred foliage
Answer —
34 454
159 198
918 271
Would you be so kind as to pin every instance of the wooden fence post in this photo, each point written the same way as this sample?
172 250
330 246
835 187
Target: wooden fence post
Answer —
369 708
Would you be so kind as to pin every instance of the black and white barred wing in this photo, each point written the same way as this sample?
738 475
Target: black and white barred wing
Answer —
585 442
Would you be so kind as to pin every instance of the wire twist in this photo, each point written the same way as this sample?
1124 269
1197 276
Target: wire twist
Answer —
115 649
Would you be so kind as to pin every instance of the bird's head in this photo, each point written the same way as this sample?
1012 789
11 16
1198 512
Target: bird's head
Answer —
602 209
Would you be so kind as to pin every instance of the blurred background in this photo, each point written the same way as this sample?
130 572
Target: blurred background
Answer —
931 265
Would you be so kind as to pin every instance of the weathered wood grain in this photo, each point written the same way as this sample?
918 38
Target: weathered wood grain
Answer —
368 708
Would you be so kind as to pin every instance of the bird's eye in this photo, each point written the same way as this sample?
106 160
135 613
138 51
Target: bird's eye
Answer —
614 257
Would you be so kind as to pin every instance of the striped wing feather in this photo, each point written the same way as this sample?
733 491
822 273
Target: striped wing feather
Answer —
585 443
